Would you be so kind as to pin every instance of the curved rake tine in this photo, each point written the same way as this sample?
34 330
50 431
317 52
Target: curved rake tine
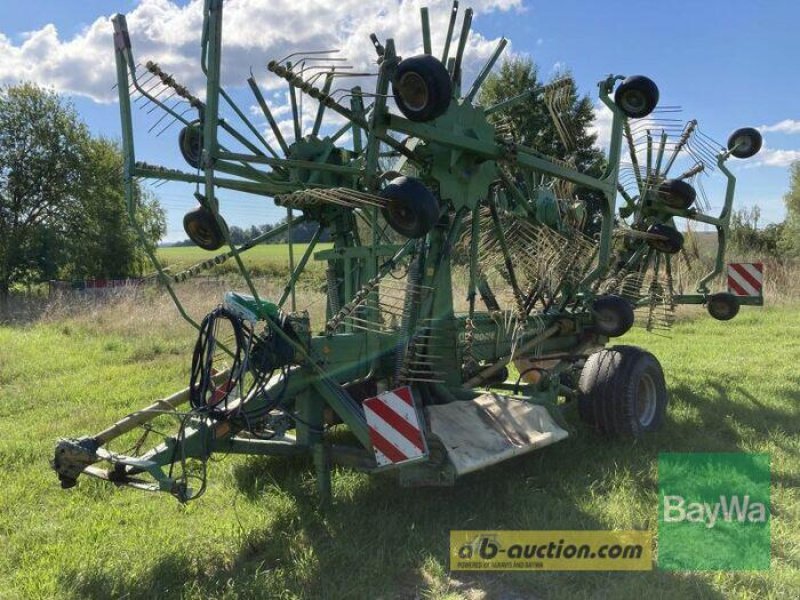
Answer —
173 121
147 94
306 54
165 115
709 146
136 68
164 101
145 82
702 153
324 70
709 139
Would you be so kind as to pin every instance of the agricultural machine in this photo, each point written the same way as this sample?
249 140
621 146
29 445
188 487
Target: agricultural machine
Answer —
428 182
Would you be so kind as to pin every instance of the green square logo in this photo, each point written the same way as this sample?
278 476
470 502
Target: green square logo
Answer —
713 512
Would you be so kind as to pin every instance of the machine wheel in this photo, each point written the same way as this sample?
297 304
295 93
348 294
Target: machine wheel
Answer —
672 243
613 315
676 193
422 88
745 142
637 96
723 306
190 141
203 229
412 210
622 391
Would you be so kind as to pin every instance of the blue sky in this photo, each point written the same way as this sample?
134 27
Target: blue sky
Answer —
726 63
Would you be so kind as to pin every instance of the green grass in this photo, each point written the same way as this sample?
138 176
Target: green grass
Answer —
257 532
264 259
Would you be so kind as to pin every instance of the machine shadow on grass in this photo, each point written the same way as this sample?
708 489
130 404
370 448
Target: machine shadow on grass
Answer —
378 539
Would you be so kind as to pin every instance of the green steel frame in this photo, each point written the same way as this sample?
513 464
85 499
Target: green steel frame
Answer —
327 364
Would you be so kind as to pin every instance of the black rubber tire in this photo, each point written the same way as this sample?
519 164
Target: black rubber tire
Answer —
412 210
613 315
676 193
745 142
190 141
622 392
723 306
637 96
203 229
673 242
422 88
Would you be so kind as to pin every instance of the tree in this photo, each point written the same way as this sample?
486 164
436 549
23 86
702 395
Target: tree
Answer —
108 247
790 237
747 240
41 142
62 210
532 125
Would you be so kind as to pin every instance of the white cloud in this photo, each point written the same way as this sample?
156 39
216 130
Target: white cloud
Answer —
785 126
773 157
602 125
255 31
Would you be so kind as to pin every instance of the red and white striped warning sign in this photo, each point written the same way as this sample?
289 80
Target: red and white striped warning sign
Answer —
394 427
745 279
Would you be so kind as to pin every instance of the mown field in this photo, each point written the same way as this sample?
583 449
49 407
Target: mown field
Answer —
264 259
257 532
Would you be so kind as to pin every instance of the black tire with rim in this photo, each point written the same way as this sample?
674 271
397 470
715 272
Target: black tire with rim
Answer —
412 210
422 88
637 96
670 242
203 229
622 391
190 141
613 315
676 193
745 142
723 306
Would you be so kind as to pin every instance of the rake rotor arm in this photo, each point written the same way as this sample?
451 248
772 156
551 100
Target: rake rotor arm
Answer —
722 223
125 72
356 119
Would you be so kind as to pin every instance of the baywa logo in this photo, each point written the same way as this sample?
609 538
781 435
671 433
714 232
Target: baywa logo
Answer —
714 511
676 509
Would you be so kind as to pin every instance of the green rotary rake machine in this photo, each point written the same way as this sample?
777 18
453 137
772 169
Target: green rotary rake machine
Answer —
418 180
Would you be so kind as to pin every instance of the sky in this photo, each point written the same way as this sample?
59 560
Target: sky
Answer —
728 64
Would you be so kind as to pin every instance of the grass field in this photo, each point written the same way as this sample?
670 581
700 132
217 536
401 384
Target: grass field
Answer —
257 532
264 259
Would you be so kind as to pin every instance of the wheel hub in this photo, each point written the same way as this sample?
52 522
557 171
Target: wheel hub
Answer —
414 91
646 400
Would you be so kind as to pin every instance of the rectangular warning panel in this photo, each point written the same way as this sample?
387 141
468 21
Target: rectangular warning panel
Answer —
394 427
746 279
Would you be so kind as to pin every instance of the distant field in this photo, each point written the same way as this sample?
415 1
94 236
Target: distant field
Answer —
265 258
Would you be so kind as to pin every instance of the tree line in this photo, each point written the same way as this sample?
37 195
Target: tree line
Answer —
62 209
775 240
301 233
